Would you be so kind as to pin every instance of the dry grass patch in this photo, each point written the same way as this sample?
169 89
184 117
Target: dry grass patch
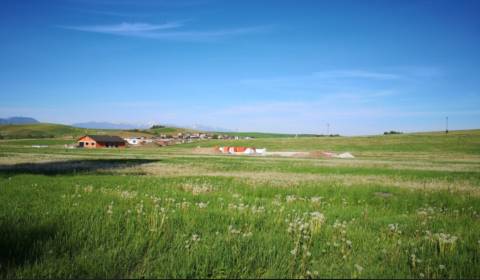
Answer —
290 180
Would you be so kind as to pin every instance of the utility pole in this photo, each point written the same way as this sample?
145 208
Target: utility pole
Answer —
446 125
328 129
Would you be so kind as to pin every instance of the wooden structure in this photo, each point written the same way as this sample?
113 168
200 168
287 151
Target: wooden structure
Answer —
101 141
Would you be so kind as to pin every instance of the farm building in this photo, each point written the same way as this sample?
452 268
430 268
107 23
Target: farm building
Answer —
138 140
101 141
133 140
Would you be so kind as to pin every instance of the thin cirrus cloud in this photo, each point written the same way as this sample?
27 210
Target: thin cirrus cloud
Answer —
126 28
401 74
360 74
167 31
351 83
322 76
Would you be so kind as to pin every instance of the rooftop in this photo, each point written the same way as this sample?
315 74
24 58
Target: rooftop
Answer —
107 138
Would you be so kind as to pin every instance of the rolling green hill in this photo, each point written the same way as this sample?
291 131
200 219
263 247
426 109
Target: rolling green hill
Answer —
48 130
40 130
463 141
168 130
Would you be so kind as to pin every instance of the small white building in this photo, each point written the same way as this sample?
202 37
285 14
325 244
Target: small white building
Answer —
138 140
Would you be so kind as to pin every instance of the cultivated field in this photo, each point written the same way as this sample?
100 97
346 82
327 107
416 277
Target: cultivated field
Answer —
408 206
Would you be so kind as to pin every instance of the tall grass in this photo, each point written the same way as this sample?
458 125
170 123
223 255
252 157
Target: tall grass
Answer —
139 226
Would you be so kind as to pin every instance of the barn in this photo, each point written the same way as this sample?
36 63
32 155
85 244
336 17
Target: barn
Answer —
101 141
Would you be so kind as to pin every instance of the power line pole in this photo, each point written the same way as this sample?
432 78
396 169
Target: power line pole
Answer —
328 129
446 125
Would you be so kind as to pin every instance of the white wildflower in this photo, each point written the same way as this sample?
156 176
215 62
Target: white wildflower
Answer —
110 208
233 230
128 195
291 198
202 204
195 238
394 229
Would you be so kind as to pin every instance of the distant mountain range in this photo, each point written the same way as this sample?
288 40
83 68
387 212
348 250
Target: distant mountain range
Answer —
18 120
107 125
210 128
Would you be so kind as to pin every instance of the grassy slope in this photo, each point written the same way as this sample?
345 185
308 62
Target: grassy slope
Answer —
42 130
383 216
46 130
170 130
461 141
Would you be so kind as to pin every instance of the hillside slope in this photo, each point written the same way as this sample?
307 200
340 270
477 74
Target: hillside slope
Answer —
465 141
48 130
40 130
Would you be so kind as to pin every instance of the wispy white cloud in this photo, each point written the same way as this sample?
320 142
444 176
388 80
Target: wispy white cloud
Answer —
350 85
207 35
356 74
397 74
420 71
126 28
109 13
166 31
322 108
324 76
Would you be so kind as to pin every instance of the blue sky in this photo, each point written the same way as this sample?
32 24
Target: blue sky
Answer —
364 67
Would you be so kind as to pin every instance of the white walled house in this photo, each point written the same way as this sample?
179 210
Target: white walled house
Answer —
138 140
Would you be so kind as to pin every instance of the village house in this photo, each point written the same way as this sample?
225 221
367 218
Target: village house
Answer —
133 140
138 140
101 141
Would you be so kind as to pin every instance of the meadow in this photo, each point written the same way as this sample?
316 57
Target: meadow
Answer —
408 206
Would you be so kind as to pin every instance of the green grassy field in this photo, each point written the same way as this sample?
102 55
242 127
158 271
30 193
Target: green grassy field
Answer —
408 206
